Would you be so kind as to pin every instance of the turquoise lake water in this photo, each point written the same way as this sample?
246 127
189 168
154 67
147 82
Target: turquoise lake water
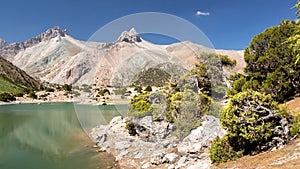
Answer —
50 136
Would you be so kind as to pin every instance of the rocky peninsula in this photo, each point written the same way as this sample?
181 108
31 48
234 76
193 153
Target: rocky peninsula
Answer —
154 146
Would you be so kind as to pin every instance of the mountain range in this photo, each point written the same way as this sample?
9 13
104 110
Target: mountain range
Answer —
56 57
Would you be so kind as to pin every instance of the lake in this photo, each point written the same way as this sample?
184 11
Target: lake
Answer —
50 136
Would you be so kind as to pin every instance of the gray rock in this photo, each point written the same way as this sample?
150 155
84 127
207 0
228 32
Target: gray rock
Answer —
188 81
171 158
157 157
121 155
181 162
3 43
122 145
103 148
115 120
200 165
130 37
157 98
146 165
139 155
101 139
115 139
165 143
172 166
201 138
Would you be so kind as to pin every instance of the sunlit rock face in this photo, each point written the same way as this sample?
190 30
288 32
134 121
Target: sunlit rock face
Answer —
56 57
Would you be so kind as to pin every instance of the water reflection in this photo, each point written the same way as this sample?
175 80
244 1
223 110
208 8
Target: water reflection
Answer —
48 136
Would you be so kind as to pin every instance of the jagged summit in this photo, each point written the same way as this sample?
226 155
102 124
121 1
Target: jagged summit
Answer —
2 43
14 48
52 33
131 37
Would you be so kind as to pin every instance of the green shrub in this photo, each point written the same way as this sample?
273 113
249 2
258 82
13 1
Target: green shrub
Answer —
103 92
130 127
221 151
250 119
43 95
120 91
138 89
6 97
86 90
226 61
140 105
76 93
20 94
32 95
295 125
148 89
48 89
67 87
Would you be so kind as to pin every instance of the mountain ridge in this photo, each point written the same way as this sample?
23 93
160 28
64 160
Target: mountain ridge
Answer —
56 57
14 80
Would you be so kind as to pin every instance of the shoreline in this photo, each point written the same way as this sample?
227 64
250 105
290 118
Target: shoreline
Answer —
114 102
36 102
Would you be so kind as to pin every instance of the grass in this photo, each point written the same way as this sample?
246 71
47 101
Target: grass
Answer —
7 86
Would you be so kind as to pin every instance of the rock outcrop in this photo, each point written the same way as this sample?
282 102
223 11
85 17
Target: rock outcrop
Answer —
154 146
131 37
3 43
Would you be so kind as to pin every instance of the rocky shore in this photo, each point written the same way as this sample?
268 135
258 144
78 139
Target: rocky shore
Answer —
153 144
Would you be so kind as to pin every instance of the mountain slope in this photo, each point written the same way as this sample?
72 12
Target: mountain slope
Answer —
14 80
56 57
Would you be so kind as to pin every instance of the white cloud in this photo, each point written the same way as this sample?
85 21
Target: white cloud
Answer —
200 13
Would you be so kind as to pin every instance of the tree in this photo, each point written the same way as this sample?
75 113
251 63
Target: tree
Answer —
148 89
67 87
221 151
48 89
254 123
32 95
103 92
6 97
138 89
298 7
271 64
209 73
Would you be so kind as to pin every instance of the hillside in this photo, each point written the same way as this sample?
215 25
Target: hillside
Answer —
286 158
14 80
56 57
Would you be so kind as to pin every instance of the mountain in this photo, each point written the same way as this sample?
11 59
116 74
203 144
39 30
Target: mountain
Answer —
56 57
15 80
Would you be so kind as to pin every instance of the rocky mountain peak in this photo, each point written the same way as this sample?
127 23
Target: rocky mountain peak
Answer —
15 48
131 37
2 43
52 33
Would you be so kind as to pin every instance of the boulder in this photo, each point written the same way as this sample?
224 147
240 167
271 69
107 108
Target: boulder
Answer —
202 137
157 157
171 158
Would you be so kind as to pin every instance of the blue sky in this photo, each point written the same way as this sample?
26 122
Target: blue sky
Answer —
229 24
